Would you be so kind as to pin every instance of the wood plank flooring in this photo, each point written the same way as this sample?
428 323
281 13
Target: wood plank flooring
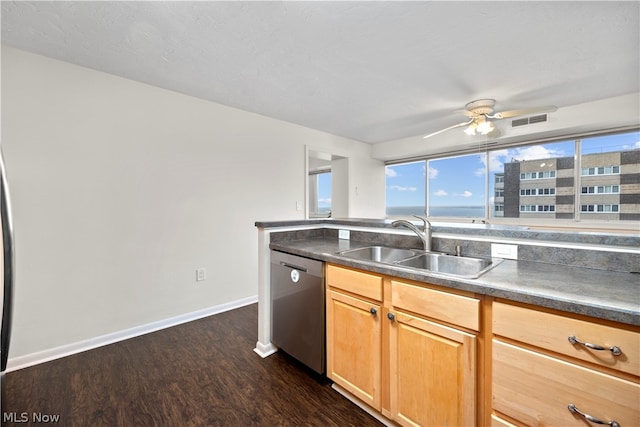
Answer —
202 373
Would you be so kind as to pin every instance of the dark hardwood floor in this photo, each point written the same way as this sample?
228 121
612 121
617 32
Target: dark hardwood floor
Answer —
202 373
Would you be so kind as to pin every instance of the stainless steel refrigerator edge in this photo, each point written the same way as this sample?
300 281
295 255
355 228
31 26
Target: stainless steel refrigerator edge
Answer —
8 269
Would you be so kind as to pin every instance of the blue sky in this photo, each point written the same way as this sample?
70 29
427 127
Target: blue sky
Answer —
460 181
324 191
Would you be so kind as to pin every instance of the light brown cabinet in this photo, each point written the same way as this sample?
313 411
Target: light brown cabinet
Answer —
354 332
354 346
423 355
542 376
395 346
433 373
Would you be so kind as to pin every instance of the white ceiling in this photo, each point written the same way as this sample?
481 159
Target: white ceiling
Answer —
371 71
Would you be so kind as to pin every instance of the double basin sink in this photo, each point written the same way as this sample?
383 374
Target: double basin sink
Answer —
435 262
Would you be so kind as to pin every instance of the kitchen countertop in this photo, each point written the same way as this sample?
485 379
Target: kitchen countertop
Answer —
597 293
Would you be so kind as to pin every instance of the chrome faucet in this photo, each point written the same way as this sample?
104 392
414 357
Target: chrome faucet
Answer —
424 236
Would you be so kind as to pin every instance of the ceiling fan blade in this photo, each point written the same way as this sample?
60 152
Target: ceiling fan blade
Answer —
467 113
449 128
523 112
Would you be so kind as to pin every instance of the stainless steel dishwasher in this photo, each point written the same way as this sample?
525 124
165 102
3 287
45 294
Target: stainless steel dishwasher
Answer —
297 308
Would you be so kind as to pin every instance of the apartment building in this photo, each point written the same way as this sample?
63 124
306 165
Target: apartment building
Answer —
606 187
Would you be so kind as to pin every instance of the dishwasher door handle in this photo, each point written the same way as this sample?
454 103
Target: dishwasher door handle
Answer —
294 267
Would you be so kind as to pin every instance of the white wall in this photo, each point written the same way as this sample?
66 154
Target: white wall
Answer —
121 190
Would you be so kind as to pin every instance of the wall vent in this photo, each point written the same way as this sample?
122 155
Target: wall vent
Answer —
529 120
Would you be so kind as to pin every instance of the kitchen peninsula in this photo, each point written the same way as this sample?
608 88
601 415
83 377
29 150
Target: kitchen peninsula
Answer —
584 282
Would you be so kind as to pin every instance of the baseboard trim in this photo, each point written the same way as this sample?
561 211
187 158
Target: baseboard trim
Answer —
32 359
378 416
265 350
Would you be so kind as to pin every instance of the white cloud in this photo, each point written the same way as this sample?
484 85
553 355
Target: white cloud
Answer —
632 146
401 188
465 193
325 201
391 173
440 193
497 158
535 152
433 173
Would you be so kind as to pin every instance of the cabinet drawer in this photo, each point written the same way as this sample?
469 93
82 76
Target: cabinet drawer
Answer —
444 306
552 332
357 282
536 389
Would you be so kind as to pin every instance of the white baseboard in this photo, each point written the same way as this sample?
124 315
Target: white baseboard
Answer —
265 350
25 361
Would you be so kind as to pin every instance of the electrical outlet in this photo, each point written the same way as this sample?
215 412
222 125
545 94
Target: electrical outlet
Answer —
344 234
201 274
504 251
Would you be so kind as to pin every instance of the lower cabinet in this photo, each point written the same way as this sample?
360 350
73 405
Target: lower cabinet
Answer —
552 369
354 346
432 373
398 358
414 353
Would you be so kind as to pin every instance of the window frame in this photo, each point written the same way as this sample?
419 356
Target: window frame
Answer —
584 223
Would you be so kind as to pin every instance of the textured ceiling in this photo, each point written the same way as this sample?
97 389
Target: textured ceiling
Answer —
371 71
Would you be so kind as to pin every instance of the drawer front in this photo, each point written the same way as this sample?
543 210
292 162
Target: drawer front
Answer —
357 282
552 332
536 389
444 306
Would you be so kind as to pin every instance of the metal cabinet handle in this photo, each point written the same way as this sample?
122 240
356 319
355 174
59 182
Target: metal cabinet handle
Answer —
615 350
373 311
391 316
572 408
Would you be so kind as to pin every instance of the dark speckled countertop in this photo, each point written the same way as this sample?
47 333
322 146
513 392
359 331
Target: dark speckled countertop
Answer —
598 293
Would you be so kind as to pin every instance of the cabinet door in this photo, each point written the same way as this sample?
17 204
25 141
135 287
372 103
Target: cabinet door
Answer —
433 373
354 346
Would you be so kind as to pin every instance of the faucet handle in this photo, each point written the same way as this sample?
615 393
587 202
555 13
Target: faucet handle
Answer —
423 219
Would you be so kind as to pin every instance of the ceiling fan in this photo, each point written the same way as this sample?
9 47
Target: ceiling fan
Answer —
481 110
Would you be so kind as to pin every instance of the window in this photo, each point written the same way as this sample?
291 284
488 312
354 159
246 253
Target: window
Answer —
603 170
601 189
536 179
457 186
537 208
537 191
538 175
600 208
320 194
405 189
609 177
535 182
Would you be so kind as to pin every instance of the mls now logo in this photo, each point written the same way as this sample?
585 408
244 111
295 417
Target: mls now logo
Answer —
23 417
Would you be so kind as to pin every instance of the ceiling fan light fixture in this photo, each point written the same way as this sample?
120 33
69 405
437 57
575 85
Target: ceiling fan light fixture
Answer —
485 127
471 129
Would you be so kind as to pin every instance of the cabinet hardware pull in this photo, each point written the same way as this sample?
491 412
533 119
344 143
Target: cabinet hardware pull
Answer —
574 410
615 350
391 316
373 311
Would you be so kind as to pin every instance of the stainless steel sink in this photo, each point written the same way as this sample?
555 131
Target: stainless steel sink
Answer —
459 266
380 254
436 262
